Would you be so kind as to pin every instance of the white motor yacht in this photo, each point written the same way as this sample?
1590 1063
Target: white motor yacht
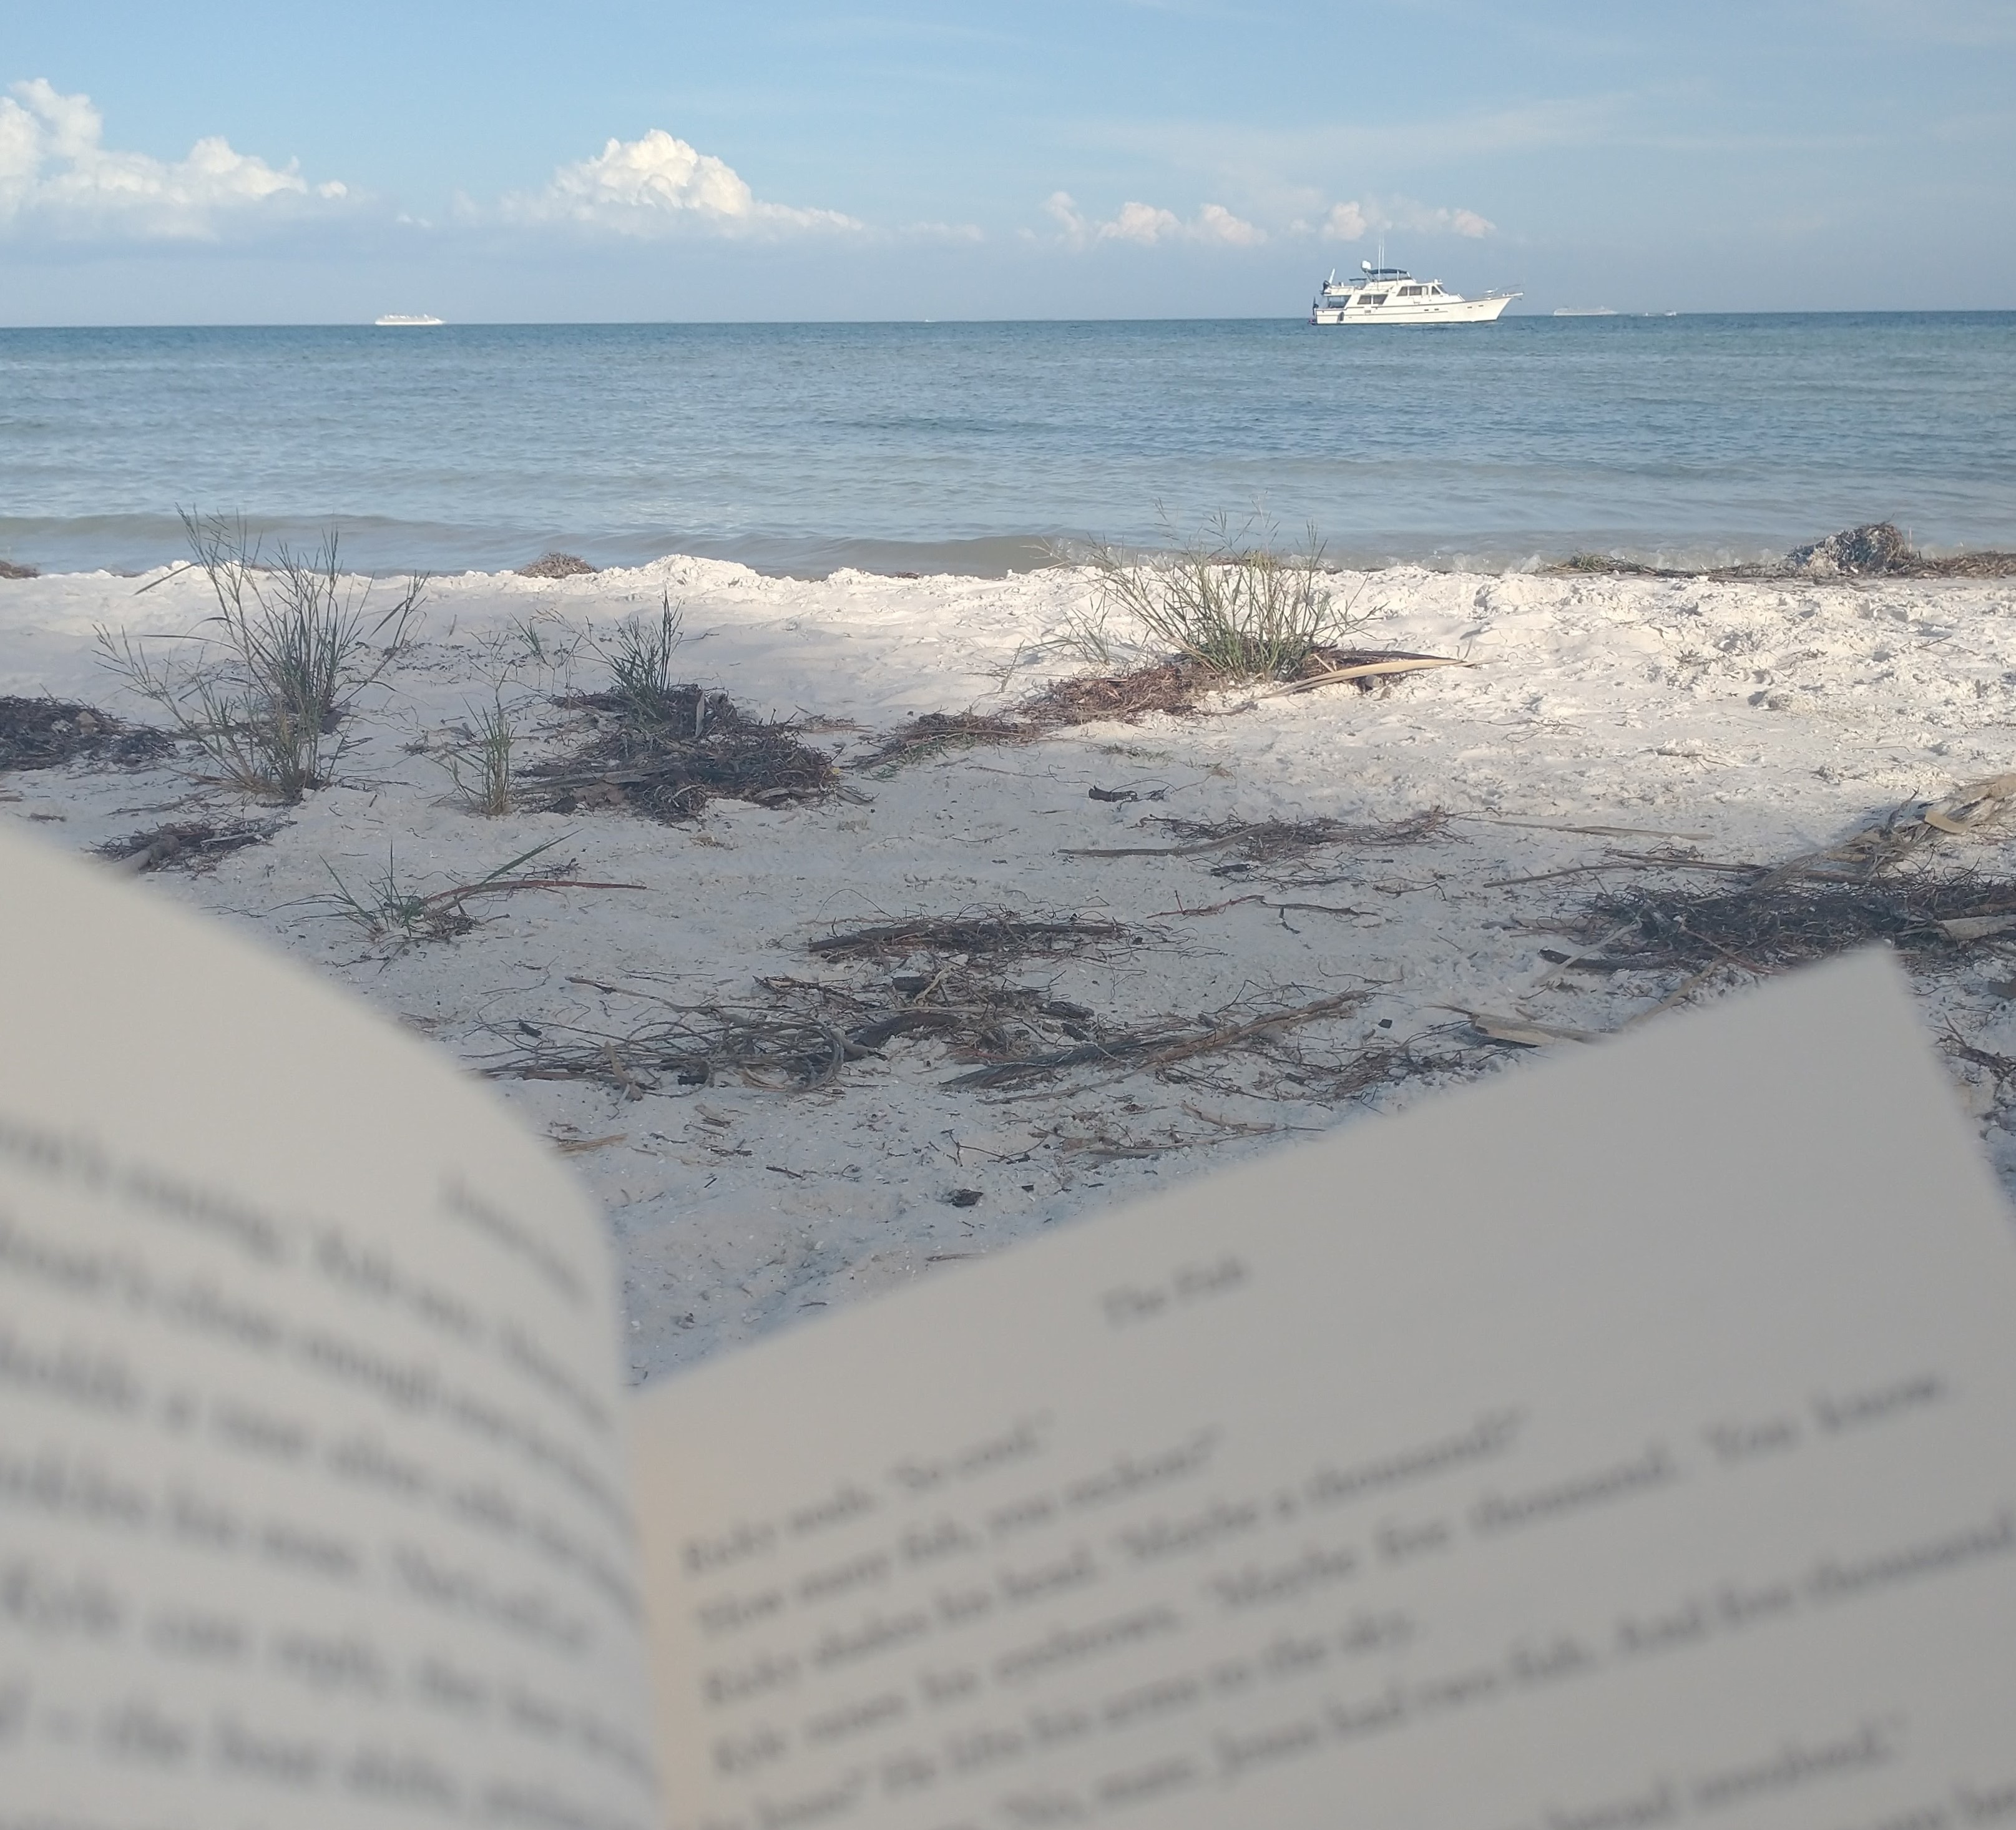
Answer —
1392 295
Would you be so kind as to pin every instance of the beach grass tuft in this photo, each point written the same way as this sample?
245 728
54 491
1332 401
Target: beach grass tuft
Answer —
640 658
292 646
1230 598
482 769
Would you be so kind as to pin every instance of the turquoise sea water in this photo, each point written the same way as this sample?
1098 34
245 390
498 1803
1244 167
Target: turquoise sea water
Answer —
963 446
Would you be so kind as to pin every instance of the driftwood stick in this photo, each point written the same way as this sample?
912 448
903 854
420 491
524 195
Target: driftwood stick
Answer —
525 883
1365 670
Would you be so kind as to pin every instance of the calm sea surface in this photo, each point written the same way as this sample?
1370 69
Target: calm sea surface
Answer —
963 446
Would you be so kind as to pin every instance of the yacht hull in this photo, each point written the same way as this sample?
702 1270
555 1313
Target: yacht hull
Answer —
1441 311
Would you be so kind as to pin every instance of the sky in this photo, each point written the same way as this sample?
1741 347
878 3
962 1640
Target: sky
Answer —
214 163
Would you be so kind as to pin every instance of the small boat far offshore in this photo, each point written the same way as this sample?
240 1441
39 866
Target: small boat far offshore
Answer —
1392 295
407 318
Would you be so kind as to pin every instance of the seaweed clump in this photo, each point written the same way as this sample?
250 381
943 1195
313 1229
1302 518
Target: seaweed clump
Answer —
46 733
667 758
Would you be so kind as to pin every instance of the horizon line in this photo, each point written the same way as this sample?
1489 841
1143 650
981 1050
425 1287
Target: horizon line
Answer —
1583 315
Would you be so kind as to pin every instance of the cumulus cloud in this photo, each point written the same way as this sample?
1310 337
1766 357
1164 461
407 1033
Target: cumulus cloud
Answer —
1145 224
57 174
659 185
1459 222
1216 223
1142 223
1354 220
1344 222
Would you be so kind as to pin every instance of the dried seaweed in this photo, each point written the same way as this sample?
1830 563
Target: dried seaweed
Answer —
939 733
1440 1054
1171 686
191 845
1778 922
1264 841
1162 1045
557 565
998 934
1175 687
701 1045
804 1034
696 747
46 733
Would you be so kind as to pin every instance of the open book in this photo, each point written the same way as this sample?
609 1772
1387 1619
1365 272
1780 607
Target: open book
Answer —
1630 1442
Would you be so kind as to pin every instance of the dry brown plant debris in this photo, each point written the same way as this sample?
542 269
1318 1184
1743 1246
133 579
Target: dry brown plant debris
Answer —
1177 687
806 1032
1162 1045
45 733
694 747
191 845
999 934
9 570
1174 686
1885 883
1763 929
557 565
938 733
803 1035
1876 550
1263 841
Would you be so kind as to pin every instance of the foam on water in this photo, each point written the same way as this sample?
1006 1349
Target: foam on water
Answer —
965 447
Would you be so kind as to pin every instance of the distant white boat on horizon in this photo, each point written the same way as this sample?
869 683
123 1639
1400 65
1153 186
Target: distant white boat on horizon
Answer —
1392 295
408 318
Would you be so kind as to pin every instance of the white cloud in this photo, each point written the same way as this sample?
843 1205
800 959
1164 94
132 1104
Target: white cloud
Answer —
1146 225
1142 223
1354 220
659 185
1216 223
1345 222
1062 210
56 173
1455 222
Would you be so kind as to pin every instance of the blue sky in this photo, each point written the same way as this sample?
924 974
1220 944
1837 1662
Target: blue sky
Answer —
216 163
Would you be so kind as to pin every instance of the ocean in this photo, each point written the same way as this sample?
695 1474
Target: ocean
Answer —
973 447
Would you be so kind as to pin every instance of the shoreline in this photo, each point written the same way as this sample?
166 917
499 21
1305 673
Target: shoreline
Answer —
992 558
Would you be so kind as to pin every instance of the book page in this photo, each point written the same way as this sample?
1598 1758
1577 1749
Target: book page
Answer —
312 1486
1628 1443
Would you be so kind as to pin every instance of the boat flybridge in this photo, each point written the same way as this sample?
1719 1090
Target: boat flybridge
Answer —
1392 295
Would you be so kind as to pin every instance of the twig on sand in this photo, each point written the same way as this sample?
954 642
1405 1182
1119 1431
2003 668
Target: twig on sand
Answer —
1366 671
1630 861
1601 832
486 889
1279 908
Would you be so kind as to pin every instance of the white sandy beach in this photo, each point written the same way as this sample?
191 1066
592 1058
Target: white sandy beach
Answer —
1601 719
